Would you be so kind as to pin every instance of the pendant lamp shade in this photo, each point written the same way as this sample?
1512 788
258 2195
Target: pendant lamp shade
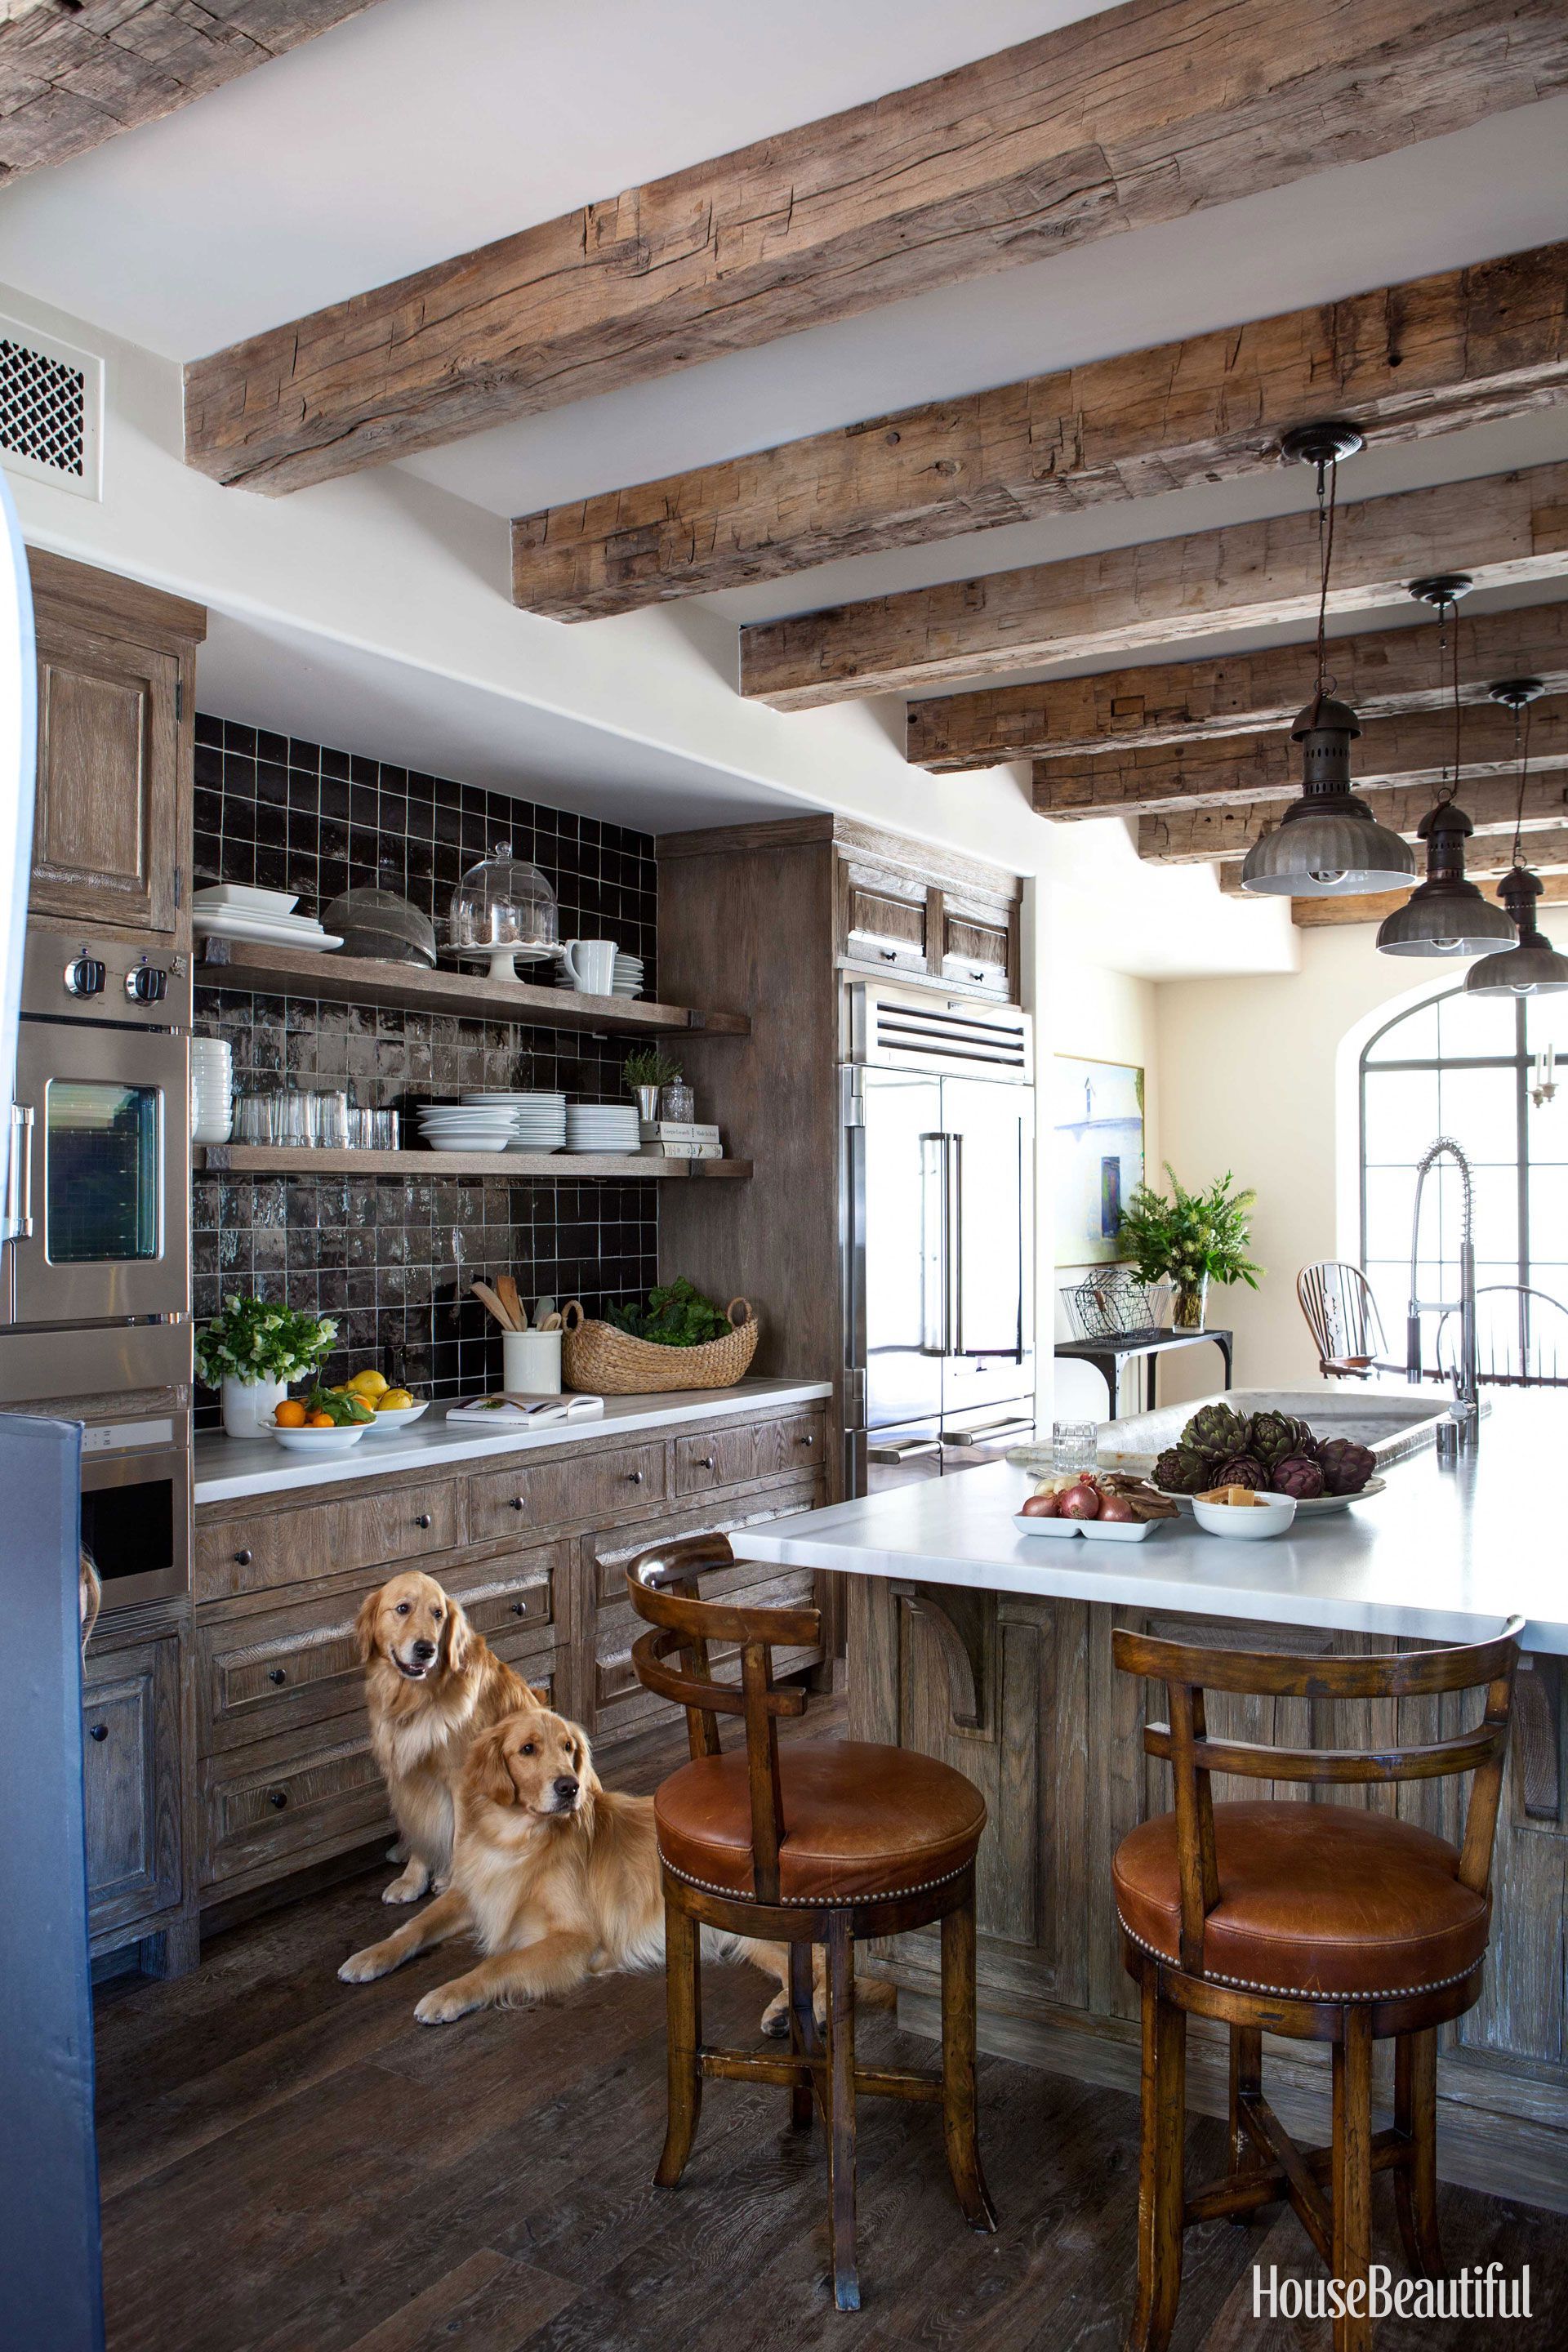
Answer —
1532 967
1447 915
1328 843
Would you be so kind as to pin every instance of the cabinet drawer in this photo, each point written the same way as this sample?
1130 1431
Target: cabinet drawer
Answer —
295 1667
591 1486
885 919
280 1546
738 1457
276 1801
130 1771
976 949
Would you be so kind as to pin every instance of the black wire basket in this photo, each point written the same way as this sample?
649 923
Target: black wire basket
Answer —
1112 1304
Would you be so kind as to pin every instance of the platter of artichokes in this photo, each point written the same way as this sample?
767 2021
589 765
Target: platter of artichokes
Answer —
1272 1453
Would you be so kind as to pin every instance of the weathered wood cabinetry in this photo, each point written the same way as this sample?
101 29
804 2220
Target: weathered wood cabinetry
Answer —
1022 1696
135 1751
534 1546
116 711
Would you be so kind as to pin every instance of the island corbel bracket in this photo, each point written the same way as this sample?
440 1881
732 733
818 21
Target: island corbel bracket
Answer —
1538 1703
957 1618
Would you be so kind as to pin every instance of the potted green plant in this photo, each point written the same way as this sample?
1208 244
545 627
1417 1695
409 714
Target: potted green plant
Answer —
251 1351
1190 1239
645 1070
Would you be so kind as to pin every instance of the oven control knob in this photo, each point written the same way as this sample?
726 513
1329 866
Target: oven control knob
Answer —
146 984
84 976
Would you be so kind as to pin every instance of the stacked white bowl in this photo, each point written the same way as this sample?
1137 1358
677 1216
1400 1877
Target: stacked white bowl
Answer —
540 1120
212 1091
467 1127
628 977
602 1127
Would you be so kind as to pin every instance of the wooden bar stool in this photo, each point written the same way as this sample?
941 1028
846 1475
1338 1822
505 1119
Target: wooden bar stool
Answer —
1320 1922
816 1845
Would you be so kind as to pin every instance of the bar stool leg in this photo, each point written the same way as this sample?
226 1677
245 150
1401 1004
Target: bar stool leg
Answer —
958 2100
1416 2183
1246 2081
802 2033
1162 2189
1352 2160
683 2011
841 2112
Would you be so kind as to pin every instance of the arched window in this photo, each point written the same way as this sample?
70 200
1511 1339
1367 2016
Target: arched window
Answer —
1468 1067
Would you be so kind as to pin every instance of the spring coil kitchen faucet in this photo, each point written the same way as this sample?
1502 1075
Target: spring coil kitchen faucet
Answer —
1467 1389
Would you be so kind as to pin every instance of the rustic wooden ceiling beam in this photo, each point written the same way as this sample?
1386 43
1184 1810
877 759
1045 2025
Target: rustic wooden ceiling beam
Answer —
1467 347
1413 749
71 77
1502 530
1085 131
1312 914
1381 671
1200 836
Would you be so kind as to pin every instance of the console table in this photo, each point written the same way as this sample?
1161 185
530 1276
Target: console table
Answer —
1118 1348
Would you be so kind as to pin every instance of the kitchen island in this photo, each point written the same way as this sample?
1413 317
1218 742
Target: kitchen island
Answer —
993 1650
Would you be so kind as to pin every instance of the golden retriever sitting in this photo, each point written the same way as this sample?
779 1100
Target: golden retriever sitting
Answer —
553 1876
430 1684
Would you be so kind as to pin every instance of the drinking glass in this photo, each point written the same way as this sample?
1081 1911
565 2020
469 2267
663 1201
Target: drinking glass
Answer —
296 1120
361 1128
255 1119
330 1119
385 1130
1074 1444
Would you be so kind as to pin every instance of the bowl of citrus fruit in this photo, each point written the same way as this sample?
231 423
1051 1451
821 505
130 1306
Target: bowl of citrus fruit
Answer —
329 1421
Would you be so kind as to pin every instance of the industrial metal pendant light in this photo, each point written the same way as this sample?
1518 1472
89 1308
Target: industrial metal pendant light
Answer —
1532 967
1446 915
1328 843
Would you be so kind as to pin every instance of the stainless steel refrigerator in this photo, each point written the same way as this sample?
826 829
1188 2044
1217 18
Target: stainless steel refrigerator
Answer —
938 1258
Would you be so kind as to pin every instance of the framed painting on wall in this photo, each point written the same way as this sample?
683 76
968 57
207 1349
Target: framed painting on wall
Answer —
1097 1113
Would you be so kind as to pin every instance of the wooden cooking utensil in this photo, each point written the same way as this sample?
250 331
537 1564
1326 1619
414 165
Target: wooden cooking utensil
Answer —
511 1302
550 1323
482 1290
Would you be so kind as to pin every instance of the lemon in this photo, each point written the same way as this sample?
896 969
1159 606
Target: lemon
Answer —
393 1400
367 1384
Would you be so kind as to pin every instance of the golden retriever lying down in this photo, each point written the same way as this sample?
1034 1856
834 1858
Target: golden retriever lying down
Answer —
556 1879
430 1684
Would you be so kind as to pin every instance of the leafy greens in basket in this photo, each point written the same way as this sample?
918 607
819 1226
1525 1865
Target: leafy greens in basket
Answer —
677 1315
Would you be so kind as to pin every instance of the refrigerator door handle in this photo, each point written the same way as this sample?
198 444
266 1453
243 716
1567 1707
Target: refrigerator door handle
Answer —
935 1283
952 1255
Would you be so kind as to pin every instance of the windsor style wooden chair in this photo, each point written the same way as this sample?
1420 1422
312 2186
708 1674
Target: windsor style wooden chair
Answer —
807 1845
1316 1921
1342 1318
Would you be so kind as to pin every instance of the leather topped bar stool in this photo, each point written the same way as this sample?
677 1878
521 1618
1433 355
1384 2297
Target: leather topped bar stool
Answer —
803 1846
1318 1922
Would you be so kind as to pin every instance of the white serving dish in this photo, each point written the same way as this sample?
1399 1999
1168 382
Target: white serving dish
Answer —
290 931
318 1441
1242 1525
396 1416
1100 1530
1310 1506
243 896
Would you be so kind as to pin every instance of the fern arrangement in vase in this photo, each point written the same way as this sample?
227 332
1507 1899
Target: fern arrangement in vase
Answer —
1190 1239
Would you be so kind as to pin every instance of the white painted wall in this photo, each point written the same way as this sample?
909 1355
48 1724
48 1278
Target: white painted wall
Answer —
1249 1080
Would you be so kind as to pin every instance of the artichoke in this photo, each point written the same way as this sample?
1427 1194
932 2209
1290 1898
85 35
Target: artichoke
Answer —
1272 1435
1183 1470
1297 1474
1243 1470
1217 1430
1346 1466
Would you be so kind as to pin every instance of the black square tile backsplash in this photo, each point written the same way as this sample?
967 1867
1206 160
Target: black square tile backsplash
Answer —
391 1258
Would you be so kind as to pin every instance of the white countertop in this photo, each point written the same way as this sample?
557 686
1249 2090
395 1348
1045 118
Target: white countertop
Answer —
229 1467
1440 1555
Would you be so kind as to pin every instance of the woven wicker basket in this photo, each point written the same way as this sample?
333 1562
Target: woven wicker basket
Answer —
603 1361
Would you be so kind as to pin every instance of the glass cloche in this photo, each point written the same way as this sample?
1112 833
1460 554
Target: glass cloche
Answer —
504 908
381 925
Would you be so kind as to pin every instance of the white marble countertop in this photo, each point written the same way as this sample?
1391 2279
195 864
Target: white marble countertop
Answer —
1440 1555
229 1467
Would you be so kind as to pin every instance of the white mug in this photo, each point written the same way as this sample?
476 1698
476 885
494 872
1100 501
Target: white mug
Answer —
531 1362
591 964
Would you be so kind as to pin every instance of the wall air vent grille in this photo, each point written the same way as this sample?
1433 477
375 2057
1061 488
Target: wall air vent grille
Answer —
51 399
947 1035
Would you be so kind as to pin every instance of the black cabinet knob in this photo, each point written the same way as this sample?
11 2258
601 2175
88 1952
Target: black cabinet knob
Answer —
84 976
275 1675
146 984
520 1607
808 1439
242 1559
889 955
278 1799
422 1519
98 1731
633 1477
517 1503
706 1463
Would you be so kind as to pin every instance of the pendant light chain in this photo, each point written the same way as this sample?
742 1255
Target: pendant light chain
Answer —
1448 618
1329 480
1522 753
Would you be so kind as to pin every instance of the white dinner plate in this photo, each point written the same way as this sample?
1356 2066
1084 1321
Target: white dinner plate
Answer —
263 932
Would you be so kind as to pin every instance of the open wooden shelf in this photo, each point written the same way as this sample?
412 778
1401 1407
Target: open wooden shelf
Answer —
356 979
565 1167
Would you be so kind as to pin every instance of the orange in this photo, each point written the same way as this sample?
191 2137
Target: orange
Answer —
290 1415
321 1421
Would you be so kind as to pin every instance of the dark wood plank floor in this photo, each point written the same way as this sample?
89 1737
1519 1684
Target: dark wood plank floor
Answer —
293 2165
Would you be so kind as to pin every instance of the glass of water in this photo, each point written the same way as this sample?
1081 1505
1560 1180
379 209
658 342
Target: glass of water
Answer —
1074 1444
